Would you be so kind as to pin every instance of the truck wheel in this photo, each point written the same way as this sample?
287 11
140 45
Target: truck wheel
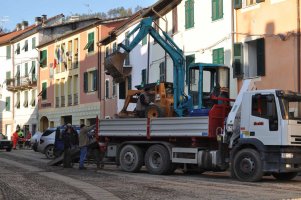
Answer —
49 152
247 165
131 158
285 176
157 160
153 111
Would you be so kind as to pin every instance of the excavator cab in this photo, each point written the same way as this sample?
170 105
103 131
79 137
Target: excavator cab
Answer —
208 84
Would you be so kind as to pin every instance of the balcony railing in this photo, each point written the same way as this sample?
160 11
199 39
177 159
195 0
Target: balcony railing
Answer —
57 102
21 83
70 100
62 101
75 99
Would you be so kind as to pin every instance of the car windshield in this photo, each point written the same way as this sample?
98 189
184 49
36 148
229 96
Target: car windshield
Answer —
290 106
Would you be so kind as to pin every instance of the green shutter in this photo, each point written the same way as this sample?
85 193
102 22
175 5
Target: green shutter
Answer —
26 69
85 82
33 43
44 90
220 9
91 42
215 56
8 75
237 4
238 60
260 57
8 52
259 1
143 76
189 14
218 56
43 58
7 104
214 8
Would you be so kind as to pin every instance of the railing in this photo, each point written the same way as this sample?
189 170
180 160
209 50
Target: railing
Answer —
57 102
62 101
75 99
21 83
70 100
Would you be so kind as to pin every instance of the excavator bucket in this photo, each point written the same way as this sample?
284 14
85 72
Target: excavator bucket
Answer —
115 67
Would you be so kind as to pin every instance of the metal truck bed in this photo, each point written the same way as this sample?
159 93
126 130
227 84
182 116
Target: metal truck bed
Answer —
158 127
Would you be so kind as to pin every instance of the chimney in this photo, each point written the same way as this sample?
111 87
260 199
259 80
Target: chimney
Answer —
18 26
38 20
24 24
44 18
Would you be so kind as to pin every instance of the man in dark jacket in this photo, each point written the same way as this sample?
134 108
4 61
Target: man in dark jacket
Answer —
70 139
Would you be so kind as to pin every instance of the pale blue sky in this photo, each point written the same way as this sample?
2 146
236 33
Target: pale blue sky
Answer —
16 11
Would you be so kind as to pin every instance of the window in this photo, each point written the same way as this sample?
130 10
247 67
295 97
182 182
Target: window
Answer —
250 2
33 43
217 9
18 49
43 58
7 104
218 56
8 52
175 20
17 105
240 3
107 89
127 43
90 44
162 72
114 47
144 40
25 47
189 14
44 90
189 59
143 77
254 65
237 61
107 52
114 89
122 90
33 98
32 70
8 75
25 104
90 81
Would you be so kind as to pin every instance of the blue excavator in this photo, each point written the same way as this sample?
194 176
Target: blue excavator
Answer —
208 84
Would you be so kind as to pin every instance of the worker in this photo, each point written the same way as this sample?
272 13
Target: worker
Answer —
143 102
69 138
15 138
83 143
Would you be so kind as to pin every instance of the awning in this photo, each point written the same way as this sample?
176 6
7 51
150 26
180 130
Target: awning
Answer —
88 45
42 60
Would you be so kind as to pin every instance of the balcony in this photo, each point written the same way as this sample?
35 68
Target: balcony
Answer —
21 83
75 99
62 101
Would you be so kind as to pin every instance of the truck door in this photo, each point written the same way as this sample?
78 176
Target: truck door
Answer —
264 119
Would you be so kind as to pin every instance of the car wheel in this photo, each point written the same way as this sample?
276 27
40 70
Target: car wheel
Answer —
49 153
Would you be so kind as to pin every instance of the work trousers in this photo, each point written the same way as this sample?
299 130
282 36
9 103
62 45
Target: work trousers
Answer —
83 154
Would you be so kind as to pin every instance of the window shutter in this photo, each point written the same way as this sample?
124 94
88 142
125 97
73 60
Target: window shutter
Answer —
214 9
174 20
85 82
221 56
237 61
192 13
33 44
189 14
259 1
220 9
237 4
260 57
8 52
7 104
107 89
8 74
44 90
215 56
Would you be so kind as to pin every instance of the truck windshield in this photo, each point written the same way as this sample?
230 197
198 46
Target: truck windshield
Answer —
290 105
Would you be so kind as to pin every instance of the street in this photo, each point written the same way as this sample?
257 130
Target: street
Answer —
25 175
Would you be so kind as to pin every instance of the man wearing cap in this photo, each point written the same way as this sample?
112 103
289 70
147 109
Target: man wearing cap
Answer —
83 143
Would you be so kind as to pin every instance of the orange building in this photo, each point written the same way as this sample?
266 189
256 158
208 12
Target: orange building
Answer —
267 42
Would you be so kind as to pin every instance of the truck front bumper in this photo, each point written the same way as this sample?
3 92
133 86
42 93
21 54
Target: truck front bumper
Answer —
282 159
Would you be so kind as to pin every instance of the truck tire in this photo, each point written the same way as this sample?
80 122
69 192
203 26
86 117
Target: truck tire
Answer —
247 165
157 160
153 111
285 176
49 152
131 158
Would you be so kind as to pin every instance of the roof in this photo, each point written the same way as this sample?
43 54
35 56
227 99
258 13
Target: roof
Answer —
5 39
161 7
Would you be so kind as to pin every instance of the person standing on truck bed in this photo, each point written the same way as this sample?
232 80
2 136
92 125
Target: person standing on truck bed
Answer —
143 102
83 143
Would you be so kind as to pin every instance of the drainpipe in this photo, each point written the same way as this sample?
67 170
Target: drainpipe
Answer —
298 45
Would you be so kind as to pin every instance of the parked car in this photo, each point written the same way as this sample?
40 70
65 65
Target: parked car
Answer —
4 143
47 141
34 140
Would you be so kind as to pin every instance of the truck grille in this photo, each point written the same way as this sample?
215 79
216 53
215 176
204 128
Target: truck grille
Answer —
296 139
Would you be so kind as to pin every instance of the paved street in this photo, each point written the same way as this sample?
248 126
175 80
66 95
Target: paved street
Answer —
25 175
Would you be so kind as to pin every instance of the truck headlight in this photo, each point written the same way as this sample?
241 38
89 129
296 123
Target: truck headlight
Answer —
287 155
288 166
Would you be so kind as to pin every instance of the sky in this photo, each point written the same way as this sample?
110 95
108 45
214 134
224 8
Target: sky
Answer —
16 11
